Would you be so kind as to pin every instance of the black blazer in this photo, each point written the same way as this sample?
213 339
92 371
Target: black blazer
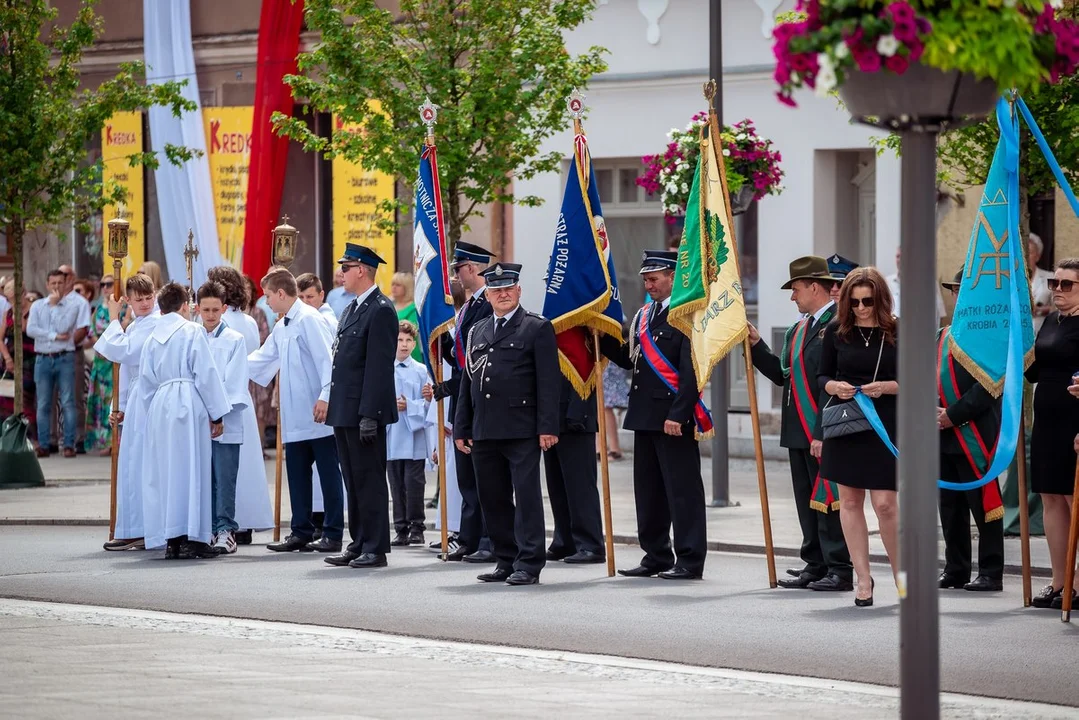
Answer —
362 380
509 391
975 405
576 414
791 433
479 309
651 403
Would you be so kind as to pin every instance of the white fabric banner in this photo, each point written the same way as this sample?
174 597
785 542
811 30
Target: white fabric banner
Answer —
184 194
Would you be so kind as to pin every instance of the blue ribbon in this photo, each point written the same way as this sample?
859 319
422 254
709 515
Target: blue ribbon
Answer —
1048 153
1011 409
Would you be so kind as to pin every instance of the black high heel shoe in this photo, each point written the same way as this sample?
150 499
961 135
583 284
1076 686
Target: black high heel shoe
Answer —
867 602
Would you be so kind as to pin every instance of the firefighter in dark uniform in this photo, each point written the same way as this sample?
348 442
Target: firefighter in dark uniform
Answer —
507 413
362 403
571 482
824 550
969 421
667 484
469 260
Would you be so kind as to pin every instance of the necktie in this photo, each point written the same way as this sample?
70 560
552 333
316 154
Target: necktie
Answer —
286 322
652 312
499 324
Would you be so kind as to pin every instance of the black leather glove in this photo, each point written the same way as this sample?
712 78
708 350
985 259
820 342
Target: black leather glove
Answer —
441 391
575 426
368 431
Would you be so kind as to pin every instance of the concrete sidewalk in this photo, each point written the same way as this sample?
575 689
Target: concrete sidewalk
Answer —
77 493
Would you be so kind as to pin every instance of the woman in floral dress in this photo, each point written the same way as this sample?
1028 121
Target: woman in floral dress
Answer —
99 389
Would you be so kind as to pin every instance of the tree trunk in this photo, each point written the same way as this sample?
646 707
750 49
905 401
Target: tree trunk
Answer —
16 229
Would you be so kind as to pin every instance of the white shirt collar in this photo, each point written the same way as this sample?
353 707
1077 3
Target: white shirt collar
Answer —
817 315
509 316
362 297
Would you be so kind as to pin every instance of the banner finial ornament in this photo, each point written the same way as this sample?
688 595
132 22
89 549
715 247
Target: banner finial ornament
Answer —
575 104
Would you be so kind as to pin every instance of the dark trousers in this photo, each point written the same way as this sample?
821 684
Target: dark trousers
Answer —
364 467
299 456
407 482
956 507
571 487
473 533
506 469
668 489
824 550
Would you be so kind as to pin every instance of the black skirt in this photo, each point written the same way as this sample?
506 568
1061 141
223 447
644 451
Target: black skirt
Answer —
1056 412
861 460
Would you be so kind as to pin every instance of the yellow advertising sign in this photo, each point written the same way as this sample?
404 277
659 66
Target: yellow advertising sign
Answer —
356 196
228 149
120 139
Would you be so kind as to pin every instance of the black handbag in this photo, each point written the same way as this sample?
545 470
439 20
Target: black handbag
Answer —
847 418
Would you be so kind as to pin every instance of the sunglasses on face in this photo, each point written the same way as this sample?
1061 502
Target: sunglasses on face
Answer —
346 268
1061 285
864 302
106 285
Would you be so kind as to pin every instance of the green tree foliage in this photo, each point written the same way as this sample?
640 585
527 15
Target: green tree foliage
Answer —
498 69
47 120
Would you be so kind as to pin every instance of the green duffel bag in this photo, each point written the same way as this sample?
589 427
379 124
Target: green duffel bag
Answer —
19 467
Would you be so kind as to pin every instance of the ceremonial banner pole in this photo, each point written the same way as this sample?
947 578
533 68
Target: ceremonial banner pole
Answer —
191 253
605 471
284 252
118 230
443 512
1069 565
1024 510
758 449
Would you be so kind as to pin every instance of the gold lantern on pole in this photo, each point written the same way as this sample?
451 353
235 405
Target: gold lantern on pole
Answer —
285 238
117 249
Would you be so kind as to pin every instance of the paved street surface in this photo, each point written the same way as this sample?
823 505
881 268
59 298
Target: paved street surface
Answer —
989 645
178 660
78 493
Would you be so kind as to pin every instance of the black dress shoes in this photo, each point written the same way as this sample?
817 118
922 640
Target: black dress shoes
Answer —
984 583
415 537
194 550
640 571
341 560
522 577
293 543
801 582
324 545
401 540
795 573
556 555
947 580
480 556
679 573
459 553
369 560
1058 601
831 583
244 537
496 575
584 557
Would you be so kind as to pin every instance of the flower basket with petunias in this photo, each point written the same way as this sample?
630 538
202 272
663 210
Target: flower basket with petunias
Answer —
905 63
752 165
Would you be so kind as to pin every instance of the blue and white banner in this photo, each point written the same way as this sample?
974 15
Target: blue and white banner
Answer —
434 304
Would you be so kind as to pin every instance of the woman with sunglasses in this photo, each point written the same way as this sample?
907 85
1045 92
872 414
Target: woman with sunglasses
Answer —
859 354
1056 422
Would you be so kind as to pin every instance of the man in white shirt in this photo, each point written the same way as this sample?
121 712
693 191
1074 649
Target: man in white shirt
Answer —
299 346
54 326
893 285
83 324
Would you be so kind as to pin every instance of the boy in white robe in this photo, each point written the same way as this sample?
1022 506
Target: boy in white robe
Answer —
122 342
185 404
254 510
230 357
300 347
311 293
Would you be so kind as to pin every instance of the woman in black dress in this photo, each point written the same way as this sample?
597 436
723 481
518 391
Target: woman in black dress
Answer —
859 352
1056 422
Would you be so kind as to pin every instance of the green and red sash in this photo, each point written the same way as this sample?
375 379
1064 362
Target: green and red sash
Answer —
825 493
970 440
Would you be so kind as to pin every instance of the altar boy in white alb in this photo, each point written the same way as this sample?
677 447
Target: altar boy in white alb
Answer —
230 357
122 342
186 402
